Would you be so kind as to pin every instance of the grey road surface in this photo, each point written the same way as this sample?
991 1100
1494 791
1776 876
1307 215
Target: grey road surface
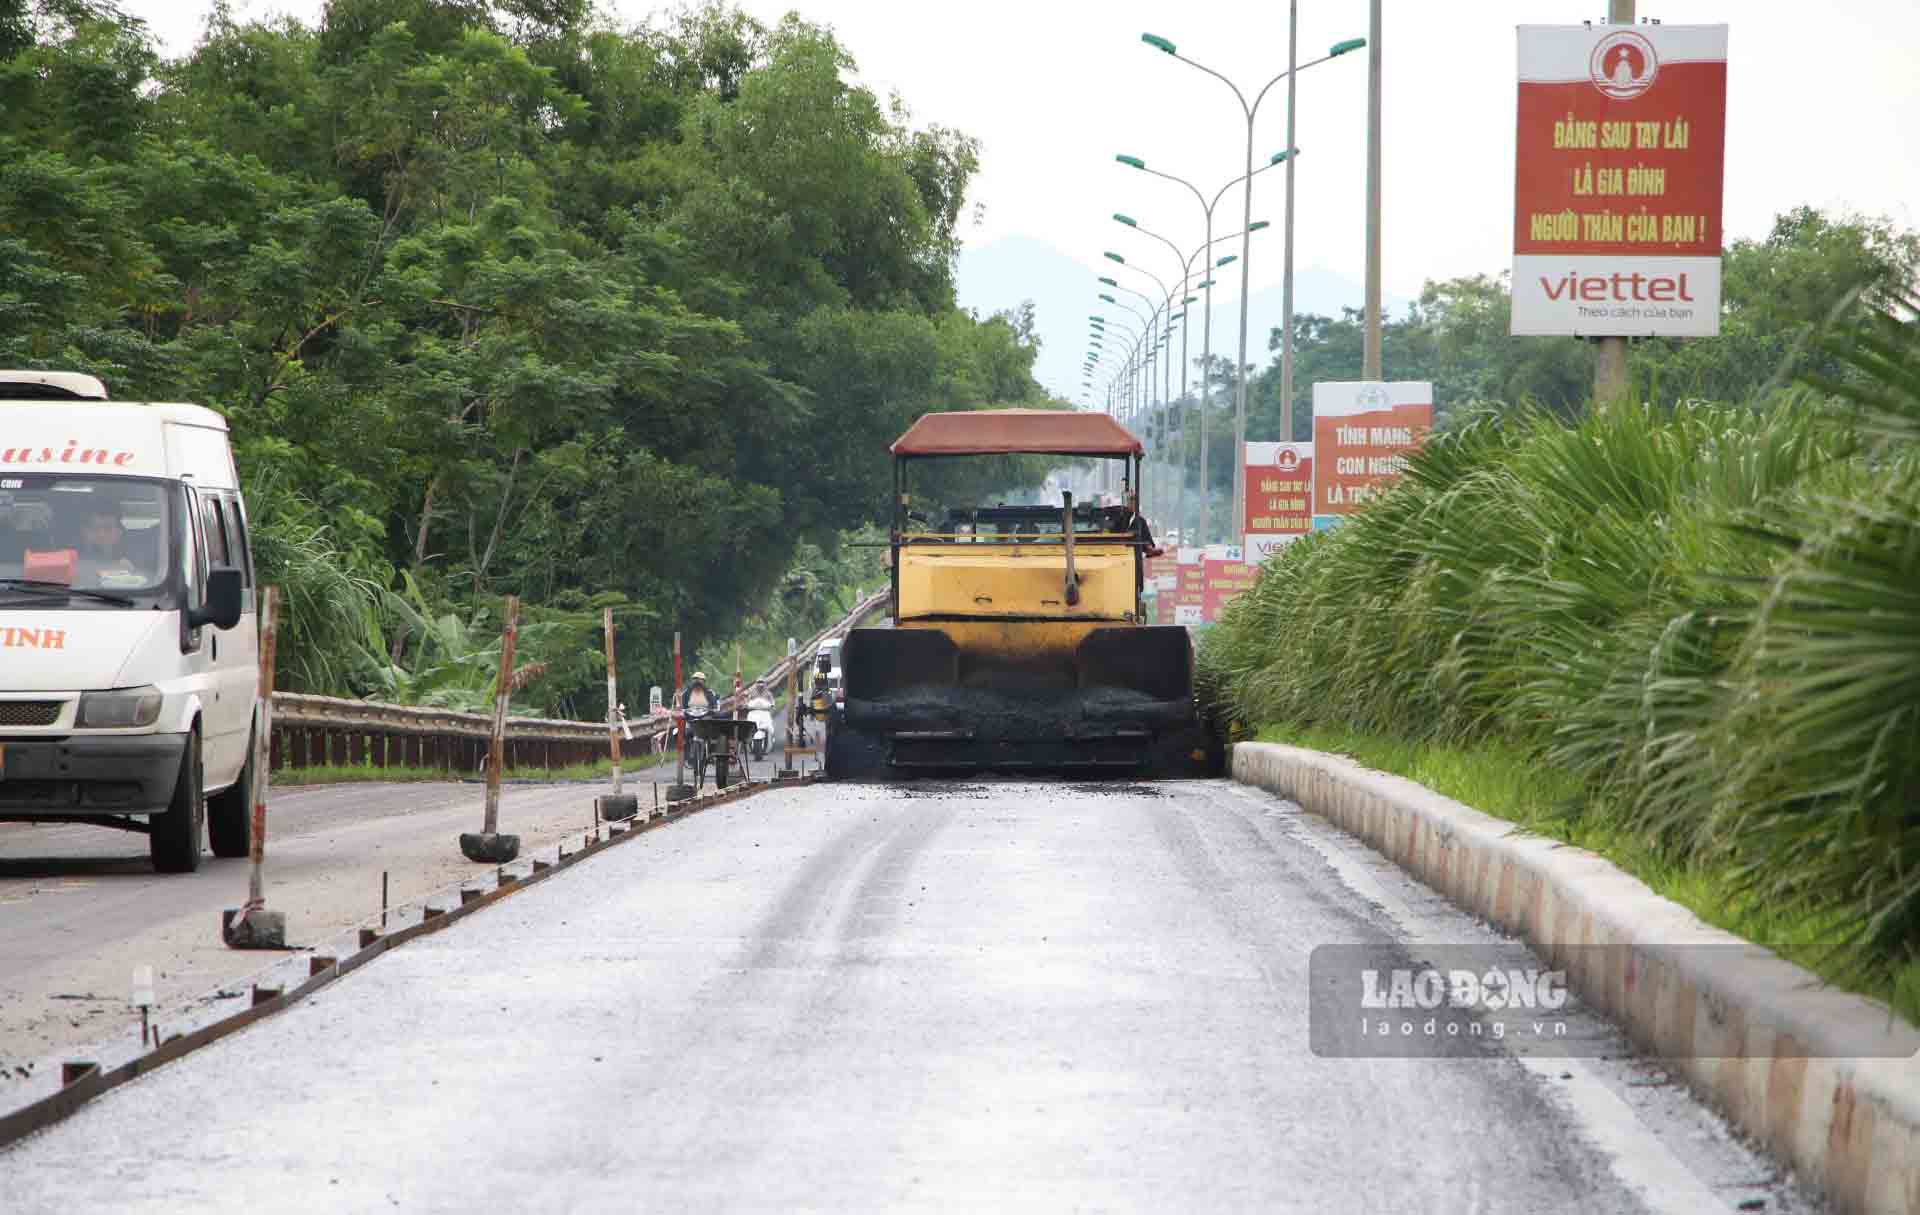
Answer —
80 906
973 996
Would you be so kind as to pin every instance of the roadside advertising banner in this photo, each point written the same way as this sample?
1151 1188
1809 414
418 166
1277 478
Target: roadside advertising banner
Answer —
1191 596
1227 575
1617 180
1279 481
1362 433
1162 576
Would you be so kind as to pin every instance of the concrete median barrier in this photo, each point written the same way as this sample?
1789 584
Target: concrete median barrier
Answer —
1828 1081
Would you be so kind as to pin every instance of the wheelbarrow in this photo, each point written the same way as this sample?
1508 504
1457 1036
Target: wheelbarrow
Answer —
726 740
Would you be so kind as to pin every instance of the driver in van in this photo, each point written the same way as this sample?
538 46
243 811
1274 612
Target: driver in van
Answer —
102 541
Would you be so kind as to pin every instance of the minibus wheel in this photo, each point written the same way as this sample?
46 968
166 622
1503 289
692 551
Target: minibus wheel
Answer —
230 812
174 838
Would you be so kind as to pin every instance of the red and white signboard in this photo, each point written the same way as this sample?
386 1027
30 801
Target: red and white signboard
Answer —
1163 580
1279 481
1191 597
1363 432
1617 180
1227 576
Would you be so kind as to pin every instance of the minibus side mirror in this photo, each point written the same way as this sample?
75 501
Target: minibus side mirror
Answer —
224 597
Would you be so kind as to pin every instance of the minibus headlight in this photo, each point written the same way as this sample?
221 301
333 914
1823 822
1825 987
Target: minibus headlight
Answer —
119 709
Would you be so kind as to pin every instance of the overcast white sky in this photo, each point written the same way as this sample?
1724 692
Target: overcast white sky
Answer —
1824 107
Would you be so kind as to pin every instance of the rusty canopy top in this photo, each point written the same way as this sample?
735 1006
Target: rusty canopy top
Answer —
1051 432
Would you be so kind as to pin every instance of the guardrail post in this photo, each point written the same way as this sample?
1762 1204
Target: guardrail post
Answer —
615 806
252 926
489 846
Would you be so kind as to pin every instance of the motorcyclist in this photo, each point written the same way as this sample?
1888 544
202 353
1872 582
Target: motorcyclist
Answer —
760 713
698 699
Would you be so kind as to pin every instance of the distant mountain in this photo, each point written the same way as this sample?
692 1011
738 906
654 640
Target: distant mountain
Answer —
1064 292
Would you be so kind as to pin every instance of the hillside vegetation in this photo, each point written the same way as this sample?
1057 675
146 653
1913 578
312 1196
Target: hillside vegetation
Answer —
500 298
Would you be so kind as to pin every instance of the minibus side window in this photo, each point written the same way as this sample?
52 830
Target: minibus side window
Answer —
241 550
191 576
214 519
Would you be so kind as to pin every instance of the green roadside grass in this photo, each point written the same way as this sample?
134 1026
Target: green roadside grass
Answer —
1510 783
340 774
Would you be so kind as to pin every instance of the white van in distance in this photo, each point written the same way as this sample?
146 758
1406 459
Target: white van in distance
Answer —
129 651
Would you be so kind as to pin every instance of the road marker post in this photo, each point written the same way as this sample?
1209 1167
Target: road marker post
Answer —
252 926
489 846
679 790
143 1000
791 734
739 714
615 806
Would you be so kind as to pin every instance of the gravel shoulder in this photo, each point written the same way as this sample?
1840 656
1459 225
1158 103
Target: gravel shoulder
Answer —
80 906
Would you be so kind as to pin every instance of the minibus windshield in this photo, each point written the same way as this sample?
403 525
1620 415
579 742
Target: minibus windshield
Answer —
96 542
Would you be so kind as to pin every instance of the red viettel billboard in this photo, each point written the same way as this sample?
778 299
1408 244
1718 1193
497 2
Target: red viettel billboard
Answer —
1227 575
1363 432
1617 180
1279 481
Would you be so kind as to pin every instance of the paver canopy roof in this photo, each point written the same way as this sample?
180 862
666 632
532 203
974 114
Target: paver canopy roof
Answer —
1053 432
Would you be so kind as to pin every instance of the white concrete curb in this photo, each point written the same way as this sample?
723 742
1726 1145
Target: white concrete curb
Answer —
1849 1122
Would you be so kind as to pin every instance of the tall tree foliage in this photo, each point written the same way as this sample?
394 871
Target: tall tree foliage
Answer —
498 297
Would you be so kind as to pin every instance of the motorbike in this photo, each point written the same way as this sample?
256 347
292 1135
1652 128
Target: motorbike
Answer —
760 713
696 752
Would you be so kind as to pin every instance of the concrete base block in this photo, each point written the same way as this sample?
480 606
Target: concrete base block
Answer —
256 930
618 809
489 849
679 793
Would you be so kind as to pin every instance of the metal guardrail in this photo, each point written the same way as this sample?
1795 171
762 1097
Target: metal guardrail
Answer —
320 731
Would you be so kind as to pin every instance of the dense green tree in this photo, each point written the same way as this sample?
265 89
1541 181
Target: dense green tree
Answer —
498 298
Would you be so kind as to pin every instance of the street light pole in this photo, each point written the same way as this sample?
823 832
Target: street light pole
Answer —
1370 355
1246 249
1286 282
1610 368
1205 405
1174 413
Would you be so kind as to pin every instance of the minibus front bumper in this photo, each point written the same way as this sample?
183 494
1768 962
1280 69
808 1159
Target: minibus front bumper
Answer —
83 777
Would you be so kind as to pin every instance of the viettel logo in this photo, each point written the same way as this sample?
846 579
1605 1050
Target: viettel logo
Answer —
1623 65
